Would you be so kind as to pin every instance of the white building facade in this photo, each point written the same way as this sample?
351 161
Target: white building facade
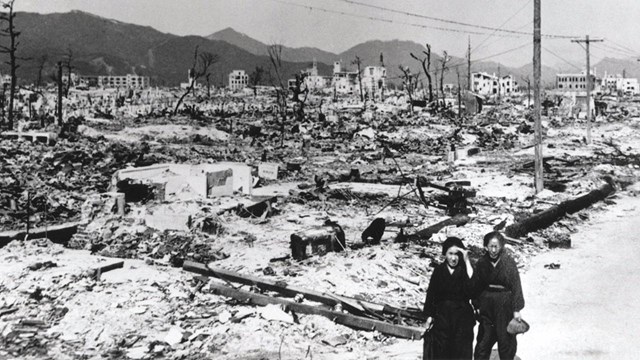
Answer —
374 80
487 84
613 84
574 82
238 80
129 81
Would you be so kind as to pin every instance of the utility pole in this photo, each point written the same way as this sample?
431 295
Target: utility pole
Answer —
587 41
469 65
537 72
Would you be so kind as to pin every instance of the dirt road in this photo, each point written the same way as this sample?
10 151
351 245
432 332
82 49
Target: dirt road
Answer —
590 307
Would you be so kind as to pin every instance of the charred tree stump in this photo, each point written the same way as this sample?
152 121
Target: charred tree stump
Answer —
425 234
547 217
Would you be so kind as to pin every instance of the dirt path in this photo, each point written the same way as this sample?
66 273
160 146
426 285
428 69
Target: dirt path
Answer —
590 307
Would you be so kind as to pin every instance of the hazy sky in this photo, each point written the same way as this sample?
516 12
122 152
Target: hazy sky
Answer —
279 21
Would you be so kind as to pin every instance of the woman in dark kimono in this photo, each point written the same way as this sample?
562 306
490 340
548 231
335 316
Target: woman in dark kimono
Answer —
500 299
448 309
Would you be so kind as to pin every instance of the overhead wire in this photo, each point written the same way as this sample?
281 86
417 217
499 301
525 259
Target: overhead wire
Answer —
379 19
561 58
621 46
454 22
501 26
618 50
490 56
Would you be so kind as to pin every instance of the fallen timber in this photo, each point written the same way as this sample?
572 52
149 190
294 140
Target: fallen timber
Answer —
292 291
103 269
60 233
350 320
425 234
358 307
547 217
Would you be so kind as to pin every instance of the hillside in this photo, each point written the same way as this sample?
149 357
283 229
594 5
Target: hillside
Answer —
102 46
303 54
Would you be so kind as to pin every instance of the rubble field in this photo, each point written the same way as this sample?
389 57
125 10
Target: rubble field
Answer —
334 173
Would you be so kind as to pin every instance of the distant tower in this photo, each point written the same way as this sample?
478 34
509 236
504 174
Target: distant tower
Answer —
191 75
381 60
337 67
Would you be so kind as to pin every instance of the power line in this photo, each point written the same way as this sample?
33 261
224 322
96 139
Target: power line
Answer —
561 58
497 40
451 21
610 51
374 18
622 46
491 56
500 27
620 50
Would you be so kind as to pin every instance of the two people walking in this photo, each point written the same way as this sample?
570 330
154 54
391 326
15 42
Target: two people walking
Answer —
458 294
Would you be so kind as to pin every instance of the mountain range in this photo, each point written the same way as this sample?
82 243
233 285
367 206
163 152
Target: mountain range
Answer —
101 46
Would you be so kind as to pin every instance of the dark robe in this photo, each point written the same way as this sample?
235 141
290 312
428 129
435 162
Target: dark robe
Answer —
448 303
496 305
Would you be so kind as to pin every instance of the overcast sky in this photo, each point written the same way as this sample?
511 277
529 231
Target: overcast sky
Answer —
279 21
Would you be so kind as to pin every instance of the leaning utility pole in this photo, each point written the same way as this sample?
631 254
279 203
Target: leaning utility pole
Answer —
537 72
587 42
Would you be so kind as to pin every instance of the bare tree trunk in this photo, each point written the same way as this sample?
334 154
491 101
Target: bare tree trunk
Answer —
409 85
357 62
10 32
200 67
69 68
59 112
189 89
459 95
435 80
208 86
444 69
427 71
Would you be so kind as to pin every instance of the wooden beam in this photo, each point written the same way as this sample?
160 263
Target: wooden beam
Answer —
356 322
103 269
547 217
425 234
291 291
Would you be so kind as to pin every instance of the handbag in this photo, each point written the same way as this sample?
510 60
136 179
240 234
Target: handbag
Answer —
517 327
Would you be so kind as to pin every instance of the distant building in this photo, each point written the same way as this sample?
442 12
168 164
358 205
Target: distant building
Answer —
238 80
315 81
486 84
508 85
129 81
574 82
89 80
613 84
344 81
374 79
